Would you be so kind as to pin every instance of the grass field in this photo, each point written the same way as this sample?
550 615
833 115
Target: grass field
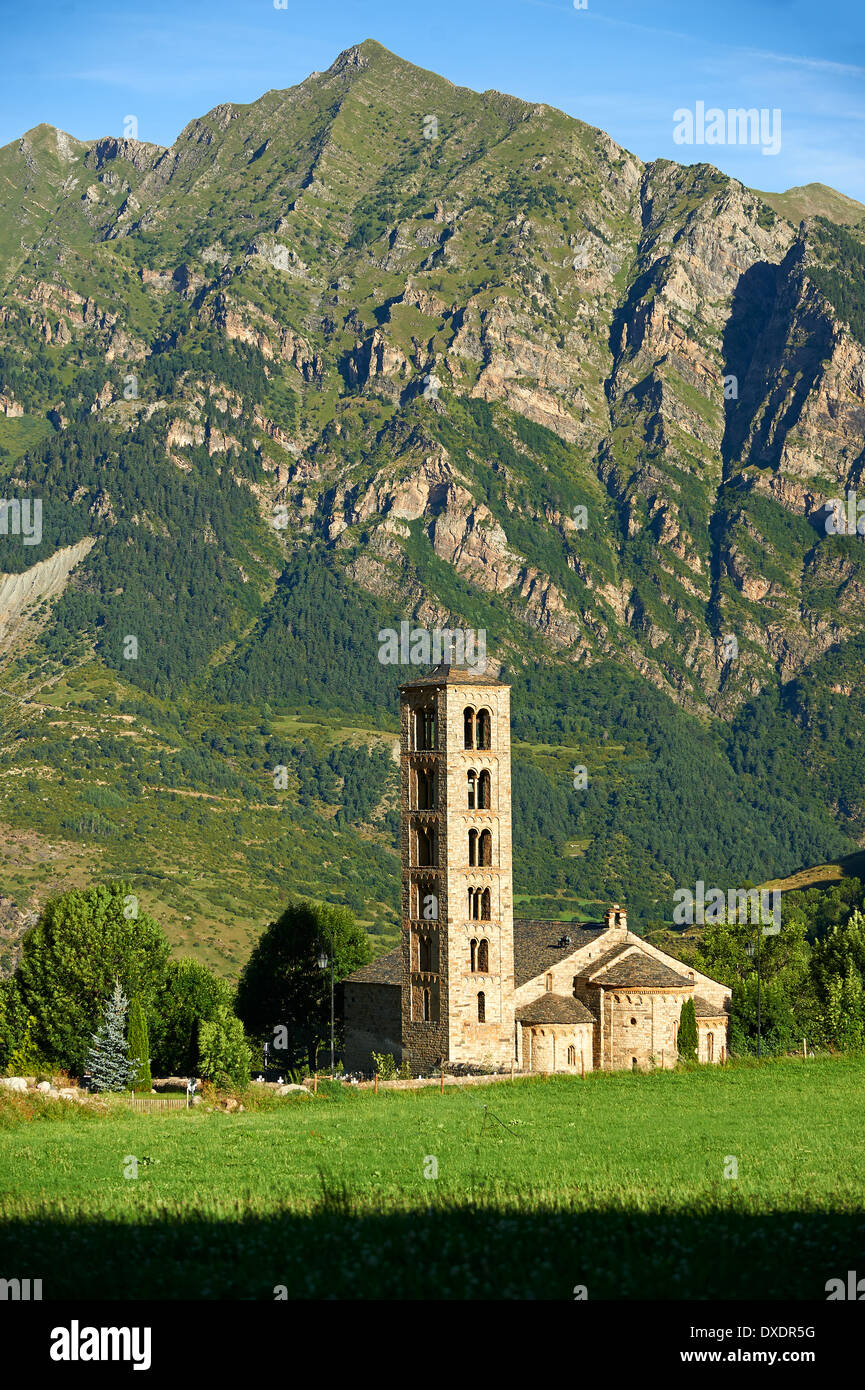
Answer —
616 1183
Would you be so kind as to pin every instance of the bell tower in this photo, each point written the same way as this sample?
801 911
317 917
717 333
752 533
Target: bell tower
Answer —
457 891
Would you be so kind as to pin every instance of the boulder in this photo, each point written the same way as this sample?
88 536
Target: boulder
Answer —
13 1083
68 1093
44 1086
288 1087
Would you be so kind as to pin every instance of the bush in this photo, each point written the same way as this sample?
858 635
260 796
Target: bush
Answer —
224 1051
385 1065
139 1048
688 1037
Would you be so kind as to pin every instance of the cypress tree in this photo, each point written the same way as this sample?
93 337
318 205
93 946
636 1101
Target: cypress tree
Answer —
688 1037
139 1047
107 1061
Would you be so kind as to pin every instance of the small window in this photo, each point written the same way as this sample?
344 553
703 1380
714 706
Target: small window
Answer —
572 1056
484 729
473 848
485 905
468 728
484 791
633 1023
425 790
633 1064
472 797
425 729
486 847
482 1007
426 1006
474 904
484 956
425 953
549 984
473 948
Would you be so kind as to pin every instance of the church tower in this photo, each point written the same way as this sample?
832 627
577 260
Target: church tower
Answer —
457 892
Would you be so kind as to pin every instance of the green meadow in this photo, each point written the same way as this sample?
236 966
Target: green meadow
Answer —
616 1182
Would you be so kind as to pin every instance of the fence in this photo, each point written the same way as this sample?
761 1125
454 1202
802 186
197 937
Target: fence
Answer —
148 1103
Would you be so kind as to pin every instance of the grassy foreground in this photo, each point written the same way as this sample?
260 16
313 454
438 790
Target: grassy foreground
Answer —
616 1183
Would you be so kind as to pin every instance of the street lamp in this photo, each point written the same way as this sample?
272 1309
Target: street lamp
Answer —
750 948
322 965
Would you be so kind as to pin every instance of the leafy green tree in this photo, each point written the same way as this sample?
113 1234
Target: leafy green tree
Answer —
688 1037
82 943
282 984
108 1060
139 1047
190 995
14 1023
224 1051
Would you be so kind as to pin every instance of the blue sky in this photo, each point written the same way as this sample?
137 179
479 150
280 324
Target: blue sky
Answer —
85 65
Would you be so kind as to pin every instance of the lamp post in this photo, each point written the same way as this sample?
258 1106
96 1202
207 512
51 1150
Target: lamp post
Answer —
751 951
322 964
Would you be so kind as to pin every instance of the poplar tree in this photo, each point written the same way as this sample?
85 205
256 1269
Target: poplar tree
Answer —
139 1047
688 1037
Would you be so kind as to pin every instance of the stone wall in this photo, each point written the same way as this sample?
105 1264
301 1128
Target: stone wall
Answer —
373 1023
544 1047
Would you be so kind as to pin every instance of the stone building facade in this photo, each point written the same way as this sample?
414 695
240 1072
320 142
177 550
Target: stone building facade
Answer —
471 985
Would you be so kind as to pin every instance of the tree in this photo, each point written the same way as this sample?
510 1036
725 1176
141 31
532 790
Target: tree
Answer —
282 985
108 1060
82 943
139 1047
190 995
223 1049
688 1036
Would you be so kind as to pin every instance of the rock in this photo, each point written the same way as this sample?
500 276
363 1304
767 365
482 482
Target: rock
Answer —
230 1105
44 1086
68 1093
288 1087
14 1083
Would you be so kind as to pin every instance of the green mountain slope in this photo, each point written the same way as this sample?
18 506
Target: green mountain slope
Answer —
380 349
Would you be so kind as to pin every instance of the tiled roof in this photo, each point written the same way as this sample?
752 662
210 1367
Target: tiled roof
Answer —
554 1008
384 970
703 1009
536 945
453 675
638 969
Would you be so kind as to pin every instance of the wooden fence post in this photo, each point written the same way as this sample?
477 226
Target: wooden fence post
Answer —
375 1091
315 1083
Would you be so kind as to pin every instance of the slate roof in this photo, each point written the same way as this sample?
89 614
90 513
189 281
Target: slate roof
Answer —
554 1008
703 1009
443 674
384 970
536 945
638 969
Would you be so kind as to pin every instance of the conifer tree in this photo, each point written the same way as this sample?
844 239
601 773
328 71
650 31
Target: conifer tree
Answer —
139 1047
108 1061
688 1037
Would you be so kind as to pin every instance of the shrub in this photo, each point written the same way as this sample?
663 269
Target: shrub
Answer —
139 1048
688 1037
385 1065
224 1051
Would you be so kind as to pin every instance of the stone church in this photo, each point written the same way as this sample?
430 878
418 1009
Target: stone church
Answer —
469 983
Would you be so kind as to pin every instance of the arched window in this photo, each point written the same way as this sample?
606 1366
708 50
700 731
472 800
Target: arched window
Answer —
425 902
473 947
474 904
486 847
426 1006
473 848
710 1047
425 846
572 1056
425 789
472 799
482 1007
484 728
484 791
633 1064
425 728
425 954
485 905
484 956
548 984
468 728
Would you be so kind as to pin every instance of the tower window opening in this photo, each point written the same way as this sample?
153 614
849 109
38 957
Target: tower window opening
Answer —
425 788
485 905
484 729
482 1007
472 781
484 956
425 729
473 948
473 848
426 1006
468 728
486 847
484 791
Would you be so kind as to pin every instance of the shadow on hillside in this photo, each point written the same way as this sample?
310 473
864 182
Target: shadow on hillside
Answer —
433 1254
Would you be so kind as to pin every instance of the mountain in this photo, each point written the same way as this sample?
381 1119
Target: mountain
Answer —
378 348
